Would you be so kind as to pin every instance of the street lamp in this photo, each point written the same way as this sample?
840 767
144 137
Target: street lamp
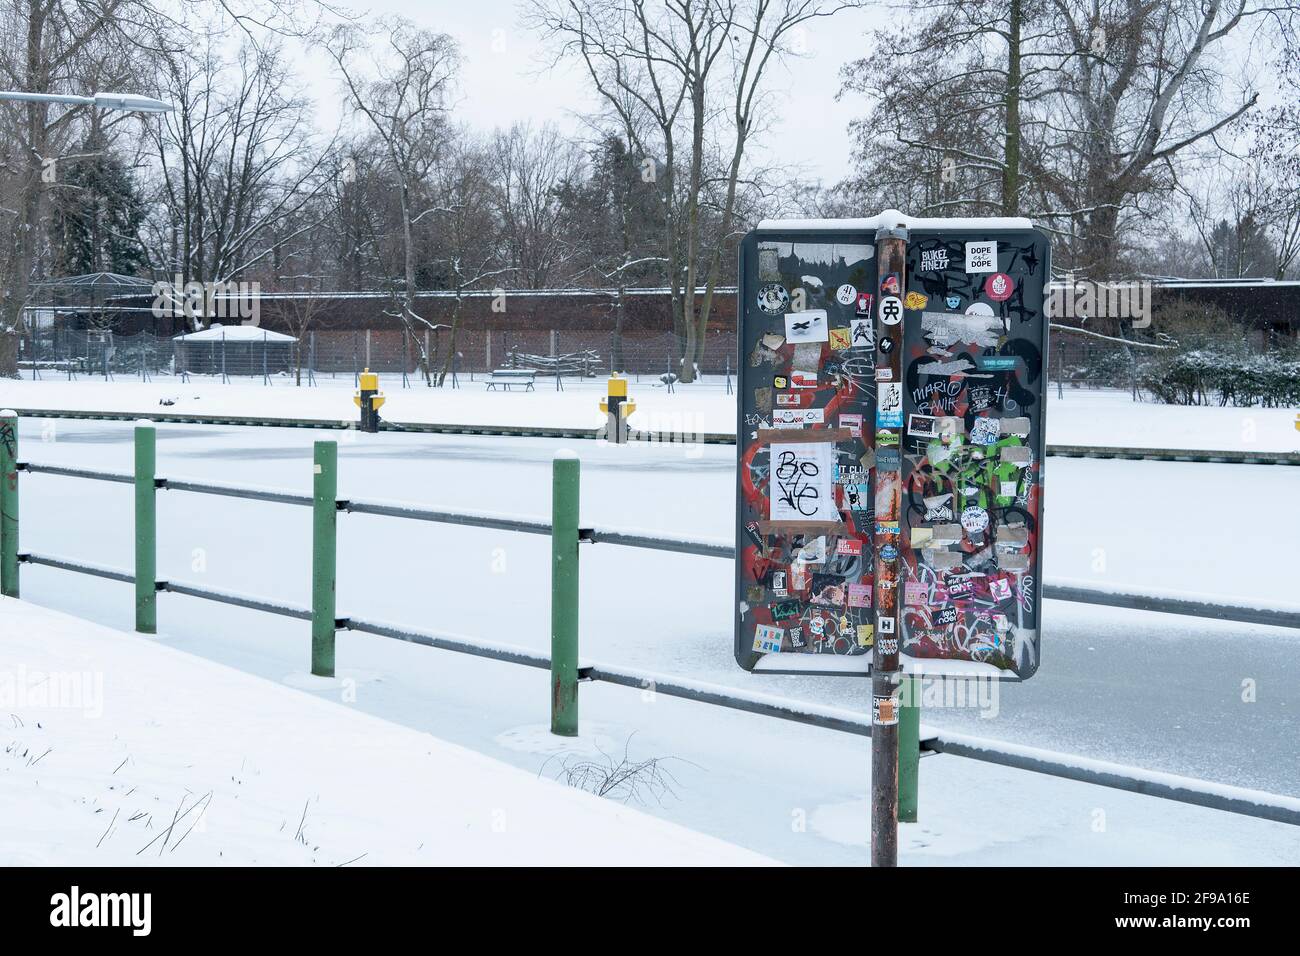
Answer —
104 101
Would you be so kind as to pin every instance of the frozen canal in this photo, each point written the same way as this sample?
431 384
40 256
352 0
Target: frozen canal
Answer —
1152 690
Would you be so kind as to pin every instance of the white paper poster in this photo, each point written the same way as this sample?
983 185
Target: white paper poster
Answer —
807 326
803 482
982 256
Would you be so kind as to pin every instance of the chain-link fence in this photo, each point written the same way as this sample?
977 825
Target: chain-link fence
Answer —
1079 361
246 353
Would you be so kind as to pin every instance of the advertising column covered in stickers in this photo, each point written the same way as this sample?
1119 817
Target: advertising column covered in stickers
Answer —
806 408
972 410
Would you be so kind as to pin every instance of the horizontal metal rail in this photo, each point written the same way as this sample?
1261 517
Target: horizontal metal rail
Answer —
830 718
236 600
94 570
397 509
1277 616
1150 783
174 587
88 473
702 438
232 491
451 642
1239 800
656 542
1059 590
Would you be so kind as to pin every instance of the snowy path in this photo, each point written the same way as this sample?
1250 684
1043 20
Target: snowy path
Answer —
1078 417
1156 691
122 751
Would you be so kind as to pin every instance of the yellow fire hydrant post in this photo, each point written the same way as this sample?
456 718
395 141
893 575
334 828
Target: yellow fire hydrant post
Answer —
617 407
369 399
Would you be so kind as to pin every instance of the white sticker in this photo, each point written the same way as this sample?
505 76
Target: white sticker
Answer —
846 294
862 334
982 256
809 326
923 426
974 519
767 639
803 482
891 310
798 416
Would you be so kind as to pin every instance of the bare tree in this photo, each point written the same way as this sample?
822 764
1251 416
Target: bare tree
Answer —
466 246
528 168
402 95
236 159
671 72
1077 113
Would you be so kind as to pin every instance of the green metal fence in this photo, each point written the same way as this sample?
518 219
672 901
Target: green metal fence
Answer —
567 672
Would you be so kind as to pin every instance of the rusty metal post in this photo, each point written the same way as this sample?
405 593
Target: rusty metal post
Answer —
891 259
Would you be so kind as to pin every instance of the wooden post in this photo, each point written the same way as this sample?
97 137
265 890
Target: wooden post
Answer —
891 259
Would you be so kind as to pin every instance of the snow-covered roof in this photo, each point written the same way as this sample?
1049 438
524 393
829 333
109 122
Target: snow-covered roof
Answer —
892 219
96 280
235 333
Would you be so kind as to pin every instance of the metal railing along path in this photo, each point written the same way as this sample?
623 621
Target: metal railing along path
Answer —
1204 456
567 670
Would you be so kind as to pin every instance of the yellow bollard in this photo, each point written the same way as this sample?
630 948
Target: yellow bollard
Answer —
369 399
617 407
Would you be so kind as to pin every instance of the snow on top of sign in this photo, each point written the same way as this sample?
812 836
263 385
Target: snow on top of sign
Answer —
892 218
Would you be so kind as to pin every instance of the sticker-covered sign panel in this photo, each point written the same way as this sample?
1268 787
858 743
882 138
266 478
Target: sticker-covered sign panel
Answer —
970 405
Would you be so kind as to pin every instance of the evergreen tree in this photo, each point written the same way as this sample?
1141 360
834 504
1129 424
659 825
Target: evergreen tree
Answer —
97 215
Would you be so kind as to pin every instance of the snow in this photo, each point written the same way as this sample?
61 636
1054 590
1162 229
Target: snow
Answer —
1080 417
1180 594
1112 419
1173 781
234 333
1153 691
256 773
892 219
175 729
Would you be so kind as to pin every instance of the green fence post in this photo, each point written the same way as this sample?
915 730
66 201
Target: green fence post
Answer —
146 529
909 749
564 595
9 503
324 548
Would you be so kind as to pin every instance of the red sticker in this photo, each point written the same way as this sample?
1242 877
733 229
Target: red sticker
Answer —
999 287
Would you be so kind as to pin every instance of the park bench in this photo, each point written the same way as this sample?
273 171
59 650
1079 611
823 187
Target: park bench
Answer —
506 377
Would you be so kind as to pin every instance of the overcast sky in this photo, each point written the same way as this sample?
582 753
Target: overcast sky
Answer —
506 79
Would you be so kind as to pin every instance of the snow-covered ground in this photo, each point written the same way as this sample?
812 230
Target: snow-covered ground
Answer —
1161 692
122 751
1077 417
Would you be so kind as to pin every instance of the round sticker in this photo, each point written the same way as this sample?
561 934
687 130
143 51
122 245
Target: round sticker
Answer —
891 310
980 308
886 345
773 299
974 519
889 552
846 294
999 287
